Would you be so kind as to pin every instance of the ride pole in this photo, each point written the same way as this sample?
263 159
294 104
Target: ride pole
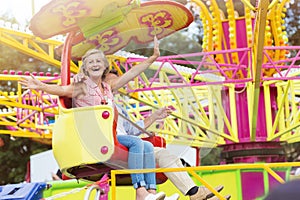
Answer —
258 47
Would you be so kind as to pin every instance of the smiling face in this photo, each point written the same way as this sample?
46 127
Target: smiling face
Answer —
95 64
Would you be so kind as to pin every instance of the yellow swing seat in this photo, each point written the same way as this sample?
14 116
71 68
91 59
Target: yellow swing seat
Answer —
83 136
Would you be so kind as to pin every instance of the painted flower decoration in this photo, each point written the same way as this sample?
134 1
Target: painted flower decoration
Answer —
105 40
70 12
157 22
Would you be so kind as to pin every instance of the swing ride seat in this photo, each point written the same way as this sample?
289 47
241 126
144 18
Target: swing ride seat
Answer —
84 140
85 145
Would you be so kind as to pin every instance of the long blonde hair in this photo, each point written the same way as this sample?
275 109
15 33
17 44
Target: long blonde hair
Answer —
92 52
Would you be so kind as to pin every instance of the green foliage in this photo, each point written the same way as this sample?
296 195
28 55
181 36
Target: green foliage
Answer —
292 151
7 17
11 59
210 156
14 156
177 43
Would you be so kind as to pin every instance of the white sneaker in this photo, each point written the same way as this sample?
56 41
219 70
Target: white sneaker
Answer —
173 197
158 196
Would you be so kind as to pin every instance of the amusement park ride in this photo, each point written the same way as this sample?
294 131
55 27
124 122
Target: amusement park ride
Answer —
241 93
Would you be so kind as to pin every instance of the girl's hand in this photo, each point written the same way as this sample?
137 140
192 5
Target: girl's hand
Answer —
80 88
162 113
31 83
78 78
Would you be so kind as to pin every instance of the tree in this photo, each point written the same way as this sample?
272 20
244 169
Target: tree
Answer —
292 22
12 59
15 152
14 155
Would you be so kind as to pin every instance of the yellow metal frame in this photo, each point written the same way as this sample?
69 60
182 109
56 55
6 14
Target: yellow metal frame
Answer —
269 167
31 45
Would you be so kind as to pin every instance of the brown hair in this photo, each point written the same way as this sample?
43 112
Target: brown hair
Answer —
92 52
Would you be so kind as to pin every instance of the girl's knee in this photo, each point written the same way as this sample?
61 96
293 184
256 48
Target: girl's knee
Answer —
131 141
138 142
148 146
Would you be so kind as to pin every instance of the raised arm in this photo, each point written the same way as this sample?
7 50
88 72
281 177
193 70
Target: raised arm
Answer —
136 70
35 84
161 113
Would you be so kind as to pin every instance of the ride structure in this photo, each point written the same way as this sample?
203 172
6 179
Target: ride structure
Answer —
100 145
240 95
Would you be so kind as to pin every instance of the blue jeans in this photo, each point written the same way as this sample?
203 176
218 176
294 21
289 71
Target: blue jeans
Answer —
140 156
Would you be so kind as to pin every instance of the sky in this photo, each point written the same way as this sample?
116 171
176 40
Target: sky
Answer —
22 10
